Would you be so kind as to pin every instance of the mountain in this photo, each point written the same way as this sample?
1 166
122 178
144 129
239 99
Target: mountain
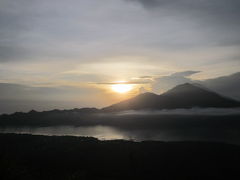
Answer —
226 85
182 96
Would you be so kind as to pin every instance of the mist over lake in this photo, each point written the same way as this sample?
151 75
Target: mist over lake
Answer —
196 124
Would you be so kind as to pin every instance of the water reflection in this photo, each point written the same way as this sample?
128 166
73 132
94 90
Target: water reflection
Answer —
109 133
100 132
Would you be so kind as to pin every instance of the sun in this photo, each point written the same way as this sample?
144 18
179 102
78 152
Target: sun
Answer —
122 88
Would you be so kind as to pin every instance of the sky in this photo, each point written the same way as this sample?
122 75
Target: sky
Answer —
69 53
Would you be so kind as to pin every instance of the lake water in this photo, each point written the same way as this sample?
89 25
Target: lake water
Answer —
209 124
110 133
100 132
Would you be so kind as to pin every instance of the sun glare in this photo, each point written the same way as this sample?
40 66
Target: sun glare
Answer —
122 88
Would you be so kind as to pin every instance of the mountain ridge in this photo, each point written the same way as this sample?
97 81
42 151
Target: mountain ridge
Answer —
182 96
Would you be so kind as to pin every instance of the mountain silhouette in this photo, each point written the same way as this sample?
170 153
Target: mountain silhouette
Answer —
226 85
182 96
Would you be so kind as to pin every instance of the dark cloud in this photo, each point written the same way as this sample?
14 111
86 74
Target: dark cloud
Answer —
213 7
220 18
149 3
223 11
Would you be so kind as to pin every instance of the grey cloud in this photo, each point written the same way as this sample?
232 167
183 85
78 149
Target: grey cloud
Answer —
17 97
128 82
33 30
145 77
165 83
18 91
185 73
13 52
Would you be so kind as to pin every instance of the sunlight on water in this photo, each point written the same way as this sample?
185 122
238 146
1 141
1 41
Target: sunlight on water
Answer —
111 133
100 132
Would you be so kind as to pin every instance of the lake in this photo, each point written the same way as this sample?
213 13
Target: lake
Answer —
110 133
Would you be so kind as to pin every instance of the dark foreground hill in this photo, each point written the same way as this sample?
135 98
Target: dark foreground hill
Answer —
63 158
182 96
